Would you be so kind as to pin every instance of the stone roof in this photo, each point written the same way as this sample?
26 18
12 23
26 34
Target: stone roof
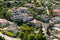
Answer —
20 13
18 9
36 23
56 27
44 18
6 22
30 5
45 25
11 26
56 8
22 8
55 33
26 16
3 21
23 16
55 39
55 20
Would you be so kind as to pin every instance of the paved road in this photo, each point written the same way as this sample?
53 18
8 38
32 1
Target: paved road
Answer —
7 37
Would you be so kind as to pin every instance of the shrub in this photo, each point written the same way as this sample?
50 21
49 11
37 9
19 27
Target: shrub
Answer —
9 34
22 35
31 37
2 38
38 17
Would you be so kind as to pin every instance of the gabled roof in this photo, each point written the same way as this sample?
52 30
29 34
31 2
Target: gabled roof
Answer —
36 21
3 21
55 18
57 25
56 10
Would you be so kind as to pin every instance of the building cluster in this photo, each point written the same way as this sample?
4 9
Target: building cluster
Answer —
55 20
21 13
45 21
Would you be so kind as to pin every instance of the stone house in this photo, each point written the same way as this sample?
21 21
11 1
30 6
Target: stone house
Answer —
9 26
54 20
56 30
26 17
3 23
36 23
44 18
12 28
6 23
20 13
22 9
56 27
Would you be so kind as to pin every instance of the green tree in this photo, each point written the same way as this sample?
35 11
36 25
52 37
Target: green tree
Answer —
31 36
25 28
8 15
38 17
18 22
8 4
22 35
38 36
43 37
2 38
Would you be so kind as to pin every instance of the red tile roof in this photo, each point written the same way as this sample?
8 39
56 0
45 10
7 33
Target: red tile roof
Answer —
56 10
